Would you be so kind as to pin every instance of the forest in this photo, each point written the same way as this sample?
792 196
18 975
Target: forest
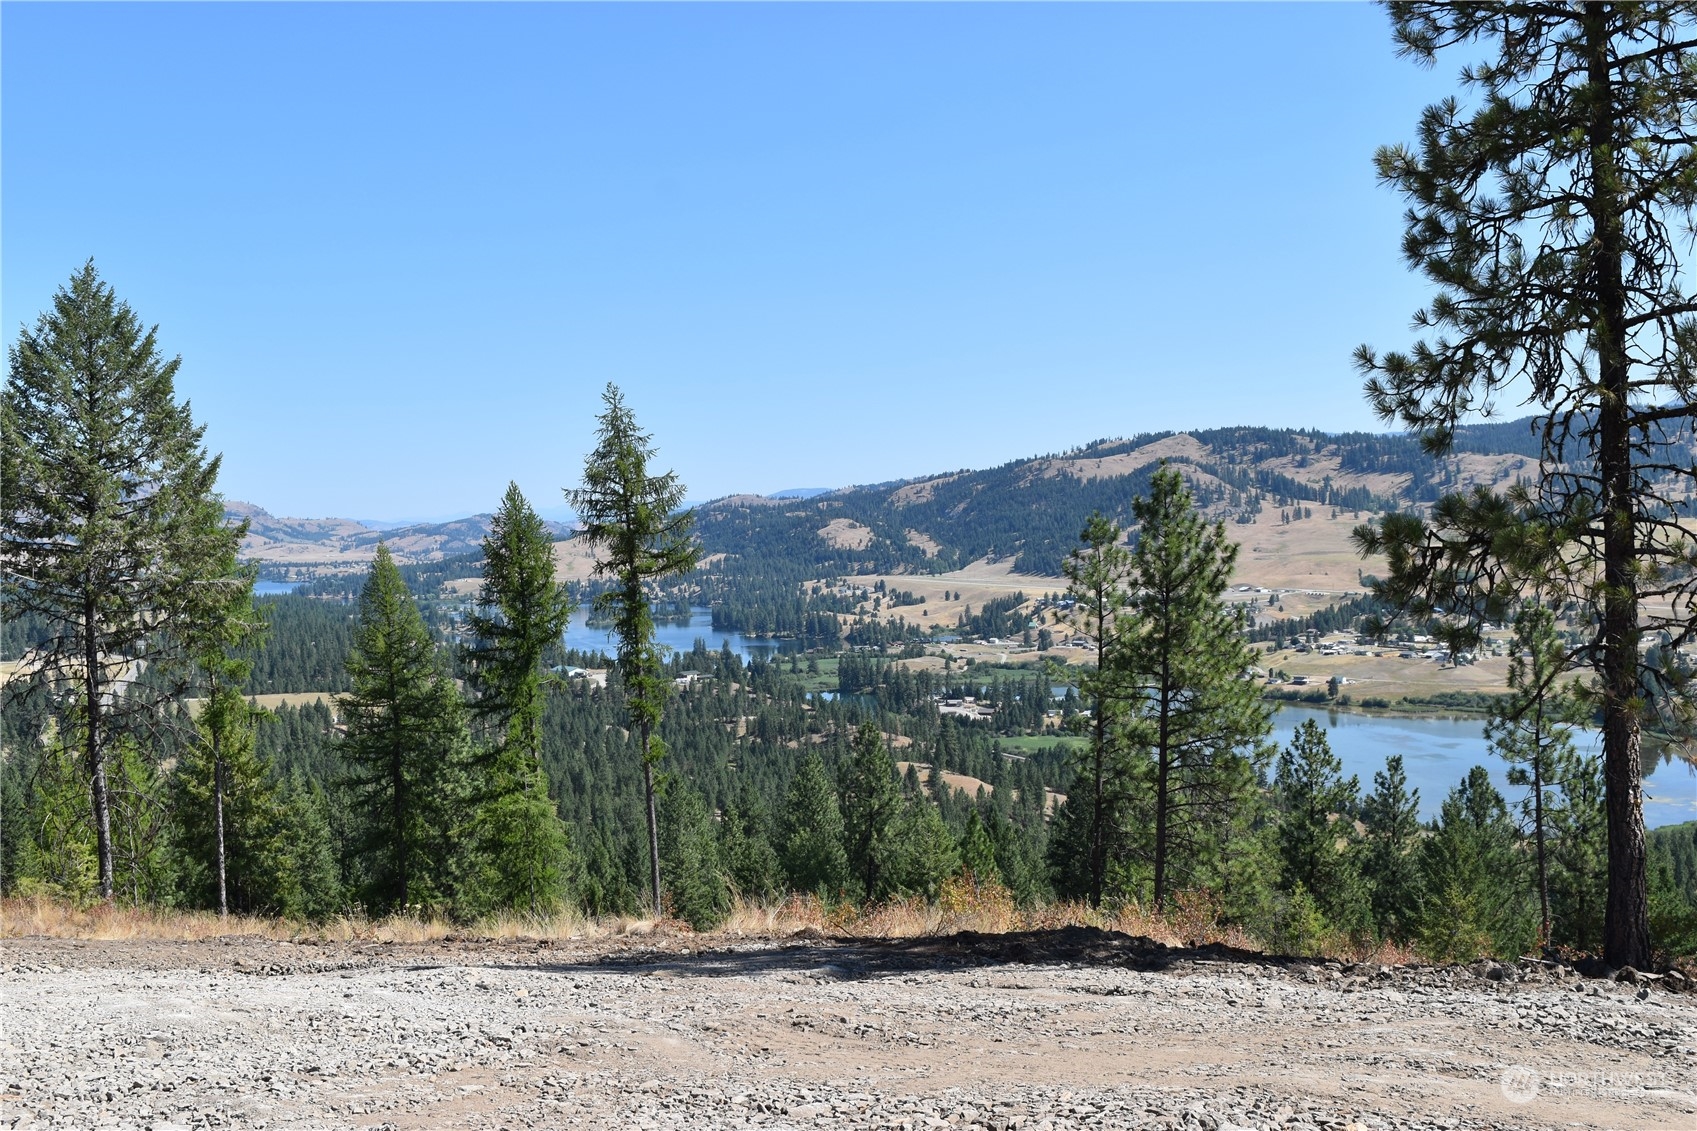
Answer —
441 756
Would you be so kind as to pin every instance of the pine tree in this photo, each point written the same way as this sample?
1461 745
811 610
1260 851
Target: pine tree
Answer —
695 876
1315 802
978 851
1532 730
641 536
110 526
869 800
1473 897
1096 575
1183 667
1389 866
926 853
522 612
810 833
745 847
1578 853
405 747
1550 214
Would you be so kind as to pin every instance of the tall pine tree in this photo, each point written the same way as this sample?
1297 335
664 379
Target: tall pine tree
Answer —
1184 668
404 750
110 525
634 521
523 848
1550 211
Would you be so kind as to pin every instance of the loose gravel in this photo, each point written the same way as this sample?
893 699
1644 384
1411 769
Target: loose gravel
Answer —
1077 1029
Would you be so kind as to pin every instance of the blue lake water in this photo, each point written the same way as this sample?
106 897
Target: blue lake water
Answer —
679 635
1437 753
274 588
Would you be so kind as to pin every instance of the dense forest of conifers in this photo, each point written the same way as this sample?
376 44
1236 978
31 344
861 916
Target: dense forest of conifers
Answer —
757 766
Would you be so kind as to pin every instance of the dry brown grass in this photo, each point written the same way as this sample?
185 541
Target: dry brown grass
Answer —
40 916
963 904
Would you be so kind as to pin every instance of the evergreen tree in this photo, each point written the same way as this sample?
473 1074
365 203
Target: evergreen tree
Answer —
926 853
1315 836
522 612
405 747
1550 215
869 800
978 851
745 847
1578 853
633 521
695 878
228 814
1473 899
1096 575
110 526
1389 866
225 750
811 833
1184 668
1532 730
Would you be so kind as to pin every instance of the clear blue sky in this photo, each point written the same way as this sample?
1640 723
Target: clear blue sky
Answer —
402 248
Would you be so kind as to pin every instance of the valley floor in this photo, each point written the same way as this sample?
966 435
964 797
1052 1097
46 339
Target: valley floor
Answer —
1075 1029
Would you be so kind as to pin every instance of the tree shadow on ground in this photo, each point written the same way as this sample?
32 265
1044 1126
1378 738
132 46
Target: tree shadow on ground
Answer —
825 958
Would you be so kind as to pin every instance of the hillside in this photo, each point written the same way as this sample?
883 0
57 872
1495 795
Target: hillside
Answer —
299 545
1031 510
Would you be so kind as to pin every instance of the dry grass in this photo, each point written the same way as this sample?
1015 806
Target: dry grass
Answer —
40 916
963 904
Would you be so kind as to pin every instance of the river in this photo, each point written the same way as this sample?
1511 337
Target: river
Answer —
1438 752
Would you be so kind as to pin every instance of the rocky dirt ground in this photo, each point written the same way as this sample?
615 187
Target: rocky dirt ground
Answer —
1072 1029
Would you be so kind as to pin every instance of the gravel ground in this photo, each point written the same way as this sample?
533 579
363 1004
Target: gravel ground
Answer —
1077 1029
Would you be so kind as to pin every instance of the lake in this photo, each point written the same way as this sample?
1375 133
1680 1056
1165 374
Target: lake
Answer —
274 588
679 635
1437 753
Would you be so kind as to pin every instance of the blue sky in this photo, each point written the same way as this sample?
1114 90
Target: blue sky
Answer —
402 248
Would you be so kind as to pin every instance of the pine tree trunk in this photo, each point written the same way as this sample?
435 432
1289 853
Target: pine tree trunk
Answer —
653 824
218 820
92 752
1626 932
1538 831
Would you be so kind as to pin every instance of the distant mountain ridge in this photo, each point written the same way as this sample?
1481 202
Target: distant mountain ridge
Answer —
342 543
1030 510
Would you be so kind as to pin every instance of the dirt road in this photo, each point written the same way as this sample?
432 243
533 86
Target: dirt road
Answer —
1079 1029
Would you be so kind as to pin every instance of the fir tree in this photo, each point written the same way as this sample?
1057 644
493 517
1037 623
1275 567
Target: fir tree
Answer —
869 800
1532 730
1315 836
110 526
1472 894
1389 866
405 747
522 612
926 853
1578 853
641 536
745 847
695 878
811 833
978 851
1183 667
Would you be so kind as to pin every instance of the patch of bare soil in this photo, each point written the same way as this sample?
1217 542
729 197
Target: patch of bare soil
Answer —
1076 1028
